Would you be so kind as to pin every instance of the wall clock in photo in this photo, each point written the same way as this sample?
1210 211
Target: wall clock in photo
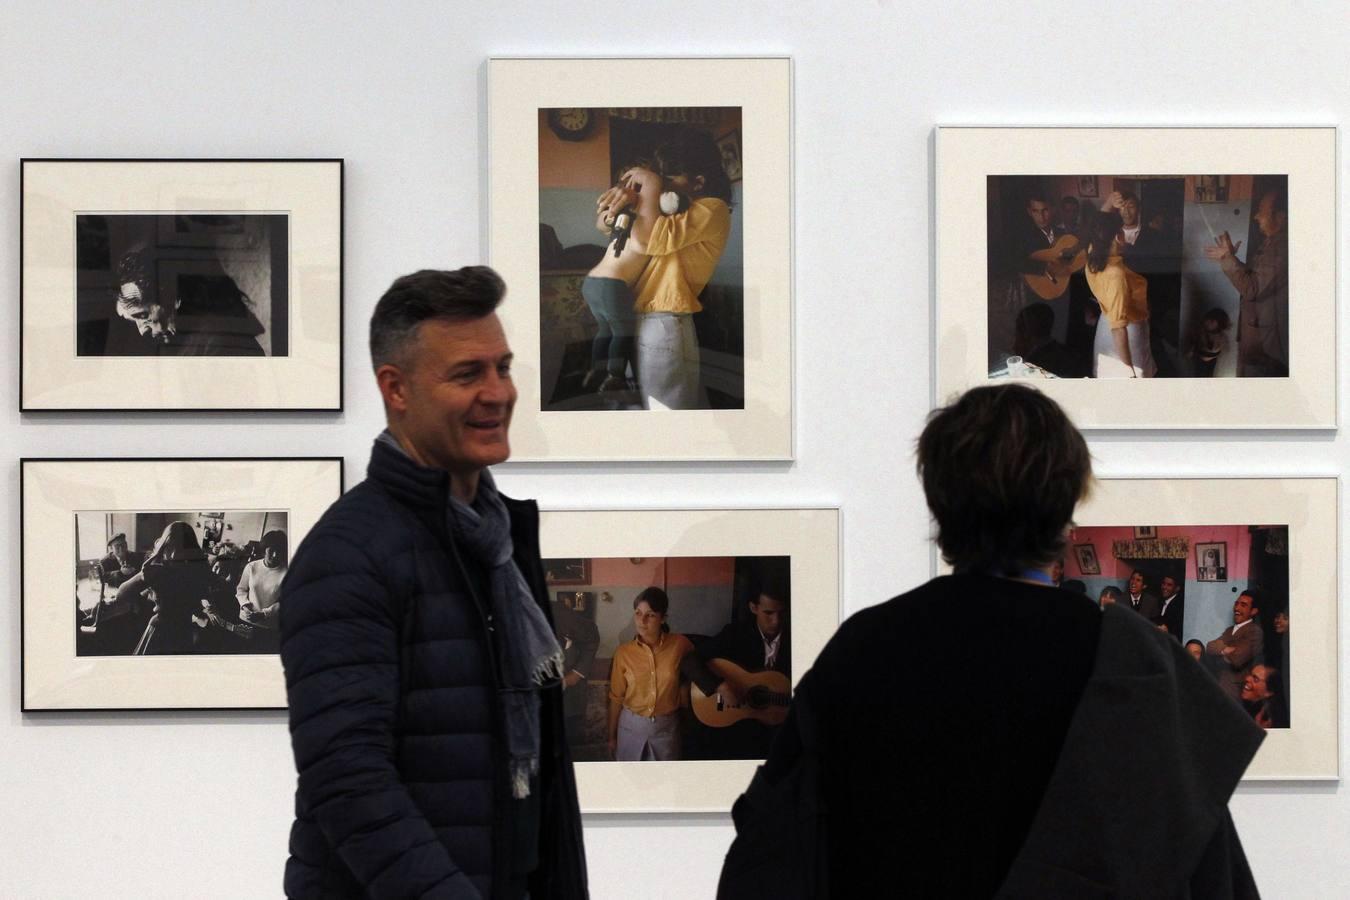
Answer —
571 123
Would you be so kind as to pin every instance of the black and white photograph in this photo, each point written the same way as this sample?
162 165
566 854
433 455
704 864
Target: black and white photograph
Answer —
182 284
1211 561
1086 555
175 567
175 285
176 583
648 631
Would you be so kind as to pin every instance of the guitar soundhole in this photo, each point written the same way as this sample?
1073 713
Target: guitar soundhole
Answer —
759 697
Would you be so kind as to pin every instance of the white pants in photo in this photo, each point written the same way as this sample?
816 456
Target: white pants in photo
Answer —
1106 364
641 738
667 361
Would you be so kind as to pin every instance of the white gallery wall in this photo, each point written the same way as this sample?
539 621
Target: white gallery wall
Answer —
199 805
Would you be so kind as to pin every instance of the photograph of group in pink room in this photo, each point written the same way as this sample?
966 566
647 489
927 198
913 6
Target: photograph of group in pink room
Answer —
1221 591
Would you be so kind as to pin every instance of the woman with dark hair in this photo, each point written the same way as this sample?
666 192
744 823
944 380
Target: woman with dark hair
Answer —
987 732
644 684
180 579
1121 347
684 249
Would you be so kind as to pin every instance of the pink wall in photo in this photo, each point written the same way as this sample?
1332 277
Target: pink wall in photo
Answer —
1237 537
683 571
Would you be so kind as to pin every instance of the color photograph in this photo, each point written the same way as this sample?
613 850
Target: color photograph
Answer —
641 259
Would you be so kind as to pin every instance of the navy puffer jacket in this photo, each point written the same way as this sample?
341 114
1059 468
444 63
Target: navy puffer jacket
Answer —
394 717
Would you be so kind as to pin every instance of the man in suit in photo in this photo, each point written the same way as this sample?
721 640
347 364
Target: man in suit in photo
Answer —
1233 653
1140 599
1173 610
579 639
756 643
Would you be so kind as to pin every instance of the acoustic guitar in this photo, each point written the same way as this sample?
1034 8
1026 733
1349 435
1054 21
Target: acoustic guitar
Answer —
1062 258
765 697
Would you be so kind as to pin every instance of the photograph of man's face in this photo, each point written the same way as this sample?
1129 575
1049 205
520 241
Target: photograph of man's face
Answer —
182 285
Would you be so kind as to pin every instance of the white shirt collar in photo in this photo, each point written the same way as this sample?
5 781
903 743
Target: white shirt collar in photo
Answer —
1130 234
771 648
1239 625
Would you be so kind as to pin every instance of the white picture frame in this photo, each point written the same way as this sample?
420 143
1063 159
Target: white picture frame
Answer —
53 491
967 156
520 92
809 536
56 372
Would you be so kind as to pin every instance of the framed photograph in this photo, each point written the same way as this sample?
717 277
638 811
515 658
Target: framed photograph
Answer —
720 572
174 565
1145 532
1282 533
567 571
1086 554
173 285
656 331
1156 300
1211 561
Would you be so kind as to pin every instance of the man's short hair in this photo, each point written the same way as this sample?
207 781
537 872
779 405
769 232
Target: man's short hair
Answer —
1069 200
456 296
1037 194
120 536
1113 592
1002 469
1127 196
275 539
1258 597
774 589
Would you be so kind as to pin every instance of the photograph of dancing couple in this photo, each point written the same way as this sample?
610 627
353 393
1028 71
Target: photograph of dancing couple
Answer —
641 261
1166 276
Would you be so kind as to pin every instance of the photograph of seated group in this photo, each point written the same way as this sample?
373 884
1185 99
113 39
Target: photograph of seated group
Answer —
174 583
641 269
674 658
1221 591
1153 276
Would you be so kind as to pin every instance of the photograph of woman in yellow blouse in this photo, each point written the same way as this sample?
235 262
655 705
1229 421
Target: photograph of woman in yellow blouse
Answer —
644 685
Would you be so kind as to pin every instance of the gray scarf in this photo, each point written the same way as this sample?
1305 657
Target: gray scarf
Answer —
528 654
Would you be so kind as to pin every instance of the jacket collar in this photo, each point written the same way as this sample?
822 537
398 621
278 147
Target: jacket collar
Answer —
1152 754
412 485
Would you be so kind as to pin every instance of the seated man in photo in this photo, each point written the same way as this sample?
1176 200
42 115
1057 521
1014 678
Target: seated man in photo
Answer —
756 643
1033 342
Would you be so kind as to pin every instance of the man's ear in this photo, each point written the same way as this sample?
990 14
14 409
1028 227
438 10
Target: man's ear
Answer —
393 384
699 183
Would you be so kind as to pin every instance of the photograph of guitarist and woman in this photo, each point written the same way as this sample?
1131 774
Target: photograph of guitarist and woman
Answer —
641 258
1146 276
1221 591
673 658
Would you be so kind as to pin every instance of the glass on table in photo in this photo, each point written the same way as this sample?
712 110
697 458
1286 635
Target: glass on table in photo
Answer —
1017 367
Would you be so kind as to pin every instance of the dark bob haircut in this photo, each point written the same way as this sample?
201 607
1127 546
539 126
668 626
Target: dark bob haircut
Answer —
461 295
1002 469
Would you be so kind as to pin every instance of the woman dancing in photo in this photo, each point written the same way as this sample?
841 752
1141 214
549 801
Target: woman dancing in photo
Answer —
683 249
1121 346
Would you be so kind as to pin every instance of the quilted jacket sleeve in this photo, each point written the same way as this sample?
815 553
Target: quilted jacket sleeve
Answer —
340 649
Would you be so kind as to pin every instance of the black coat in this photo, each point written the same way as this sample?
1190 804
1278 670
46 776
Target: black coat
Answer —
966 739
394 713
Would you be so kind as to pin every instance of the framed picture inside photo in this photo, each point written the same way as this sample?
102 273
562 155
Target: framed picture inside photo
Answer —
1211 561
1276 601
652 319
1145 532
181 285
712 577
1138 300
1086 554
567 571
174 565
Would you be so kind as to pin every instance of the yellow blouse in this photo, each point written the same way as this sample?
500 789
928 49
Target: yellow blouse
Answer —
684 250
1121 291
647 679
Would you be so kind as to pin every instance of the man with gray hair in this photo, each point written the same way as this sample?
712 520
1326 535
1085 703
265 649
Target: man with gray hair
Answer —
422 670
